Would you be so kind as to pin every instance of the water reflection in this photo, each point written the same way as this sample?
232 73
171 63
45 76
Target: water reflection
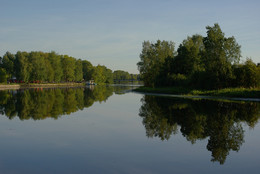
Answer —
218 121
38 104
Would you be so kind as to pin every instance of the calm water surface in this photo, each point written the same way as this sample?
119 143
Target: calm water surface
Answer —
106 130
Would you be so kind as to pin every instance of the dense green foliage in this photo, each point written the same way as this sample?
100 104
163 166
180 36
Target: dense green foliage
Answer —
8 64
53 68
153 58
3 75
200 119
102 74
121 76
210 62
88 70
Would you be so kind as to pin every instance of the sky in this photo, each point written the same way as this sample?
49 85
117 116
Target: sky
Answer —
111 32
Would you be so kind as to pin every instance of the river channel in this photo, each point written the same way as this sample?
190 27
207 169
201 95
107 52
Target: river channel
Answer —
109 129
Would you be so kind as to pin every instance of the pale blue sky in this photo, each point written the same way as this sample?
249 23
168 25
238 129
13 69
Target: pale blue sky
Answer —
111 32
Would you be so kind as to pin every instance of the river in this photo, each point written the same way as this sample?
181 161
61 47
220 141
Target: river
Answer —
113 130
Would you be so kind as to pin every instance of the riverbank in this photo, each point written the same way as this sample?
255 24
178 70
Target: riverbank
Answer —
39 85
228 92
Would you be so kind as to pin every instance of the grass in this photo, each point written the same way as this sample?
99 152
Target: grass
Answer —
36 85
8 84
227 92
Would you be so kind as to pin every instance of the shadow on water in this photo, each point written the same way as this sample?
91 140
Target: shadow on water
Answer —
219 121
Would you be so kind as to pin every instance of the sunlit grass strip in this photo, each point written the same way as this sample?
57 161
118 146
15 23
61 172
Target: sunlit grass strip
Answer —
39 85
227 92
231 92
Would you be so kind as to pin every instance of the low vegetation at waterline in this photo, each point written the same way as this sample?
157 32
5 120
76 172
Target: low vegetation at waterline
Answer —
204 63
227 92
39 85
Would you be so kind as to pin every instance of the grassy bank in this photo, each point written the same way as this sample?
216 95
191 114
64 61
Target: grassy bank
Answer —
39 85
228 92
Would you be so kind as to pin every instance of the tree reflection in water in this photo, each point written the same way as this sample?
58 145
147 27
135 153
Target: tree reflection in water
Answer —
38 104
219 121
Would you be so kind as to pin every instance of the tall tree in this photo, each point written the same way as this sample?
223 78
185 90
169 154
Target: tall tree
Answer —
189 56
99 74
220 53
68 64
102 74
78 70
181 69
121 75
39 71
55 61
23 67
8 64
152 58
49 70
88 70
247 74
109 75
3 76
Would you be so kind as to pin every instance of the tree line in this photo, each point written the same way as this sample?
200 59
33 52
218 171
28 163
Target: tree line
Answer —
211 62
120 75
52 67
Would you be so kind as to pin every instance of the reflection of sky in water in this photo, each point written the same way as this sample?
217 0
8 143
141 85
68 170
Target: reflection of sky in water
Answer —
109 137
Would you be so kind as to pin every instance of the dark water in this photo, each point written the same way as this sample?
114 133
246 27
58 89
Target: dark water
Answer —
106 130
